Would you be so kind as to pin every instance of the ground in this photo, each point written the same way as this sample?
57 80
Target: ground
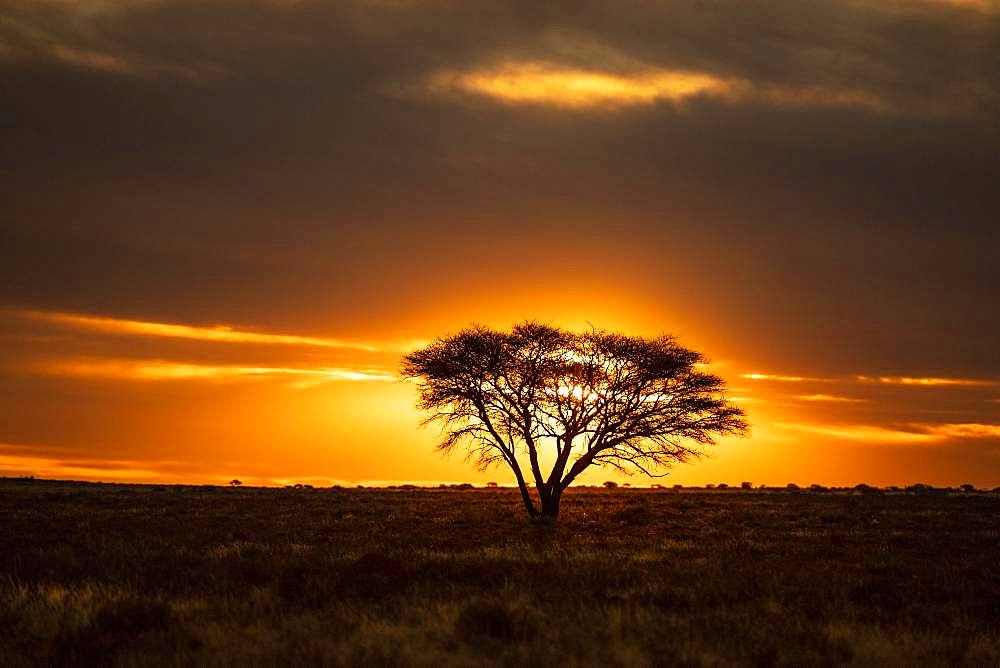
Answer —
171 575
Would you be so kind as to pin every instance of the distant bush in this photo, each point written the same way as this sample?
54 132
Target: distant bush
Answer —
656 486
967 488
235 482
866 489
722 485
710 486
463 485
746 485
921 488
492 485
678 486
818 488
792 487
610 484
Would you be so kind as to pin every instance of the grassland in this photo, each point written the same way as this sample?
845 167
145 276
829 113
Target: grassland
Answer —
147 575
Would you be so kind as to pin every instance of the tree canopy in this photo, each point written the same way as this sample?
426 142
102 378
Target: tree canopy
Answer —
570 400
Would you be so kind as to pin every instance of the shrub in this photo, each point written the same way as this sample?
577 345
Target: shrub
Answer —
722 485
746 485
818 488
792 487
492 485
967 488
866 489
610 484
922 488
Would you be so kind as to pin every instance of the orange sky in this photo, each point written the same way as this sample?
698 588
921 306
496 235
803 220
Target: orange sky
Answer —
224 224
113 399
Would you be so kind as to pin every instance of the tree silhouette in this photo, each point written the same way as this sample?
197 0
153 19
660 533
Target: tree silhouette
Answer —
572 400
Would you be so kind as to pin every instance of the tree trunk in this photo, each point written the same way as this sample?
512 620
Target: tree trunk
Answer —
550 501
529 505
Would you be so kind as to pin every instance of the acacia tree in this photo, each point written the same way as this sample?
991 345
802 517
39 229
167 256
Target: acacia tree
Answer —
570 400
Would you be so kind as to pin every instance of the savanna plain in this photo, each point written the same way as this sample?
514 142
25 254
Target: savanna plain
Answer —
95 574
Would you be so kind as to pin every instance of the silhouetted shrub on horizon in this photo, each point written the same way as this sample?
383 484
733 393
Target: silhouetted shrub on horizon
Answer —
924 489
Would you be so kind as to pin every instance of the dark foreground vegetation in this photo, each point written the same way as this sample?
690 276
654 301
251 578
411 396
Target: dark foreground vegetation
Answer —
140 575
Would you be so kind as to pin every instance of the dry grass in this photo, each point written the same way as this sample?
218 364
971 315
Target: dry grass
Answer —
140 575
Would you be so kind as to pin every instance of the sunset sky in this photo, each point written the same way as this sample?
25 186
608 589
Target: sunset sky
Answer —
224 222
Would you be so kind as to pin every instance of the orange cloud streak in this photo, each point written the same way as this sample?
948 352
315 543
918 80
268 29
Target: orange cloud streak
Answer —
784 379
154 370
219 333
865 433
924 433
537 83
829 398
542 83
925 382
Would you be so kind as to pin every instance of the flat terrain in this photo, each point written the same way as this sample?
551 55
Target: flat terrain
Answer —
138 575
